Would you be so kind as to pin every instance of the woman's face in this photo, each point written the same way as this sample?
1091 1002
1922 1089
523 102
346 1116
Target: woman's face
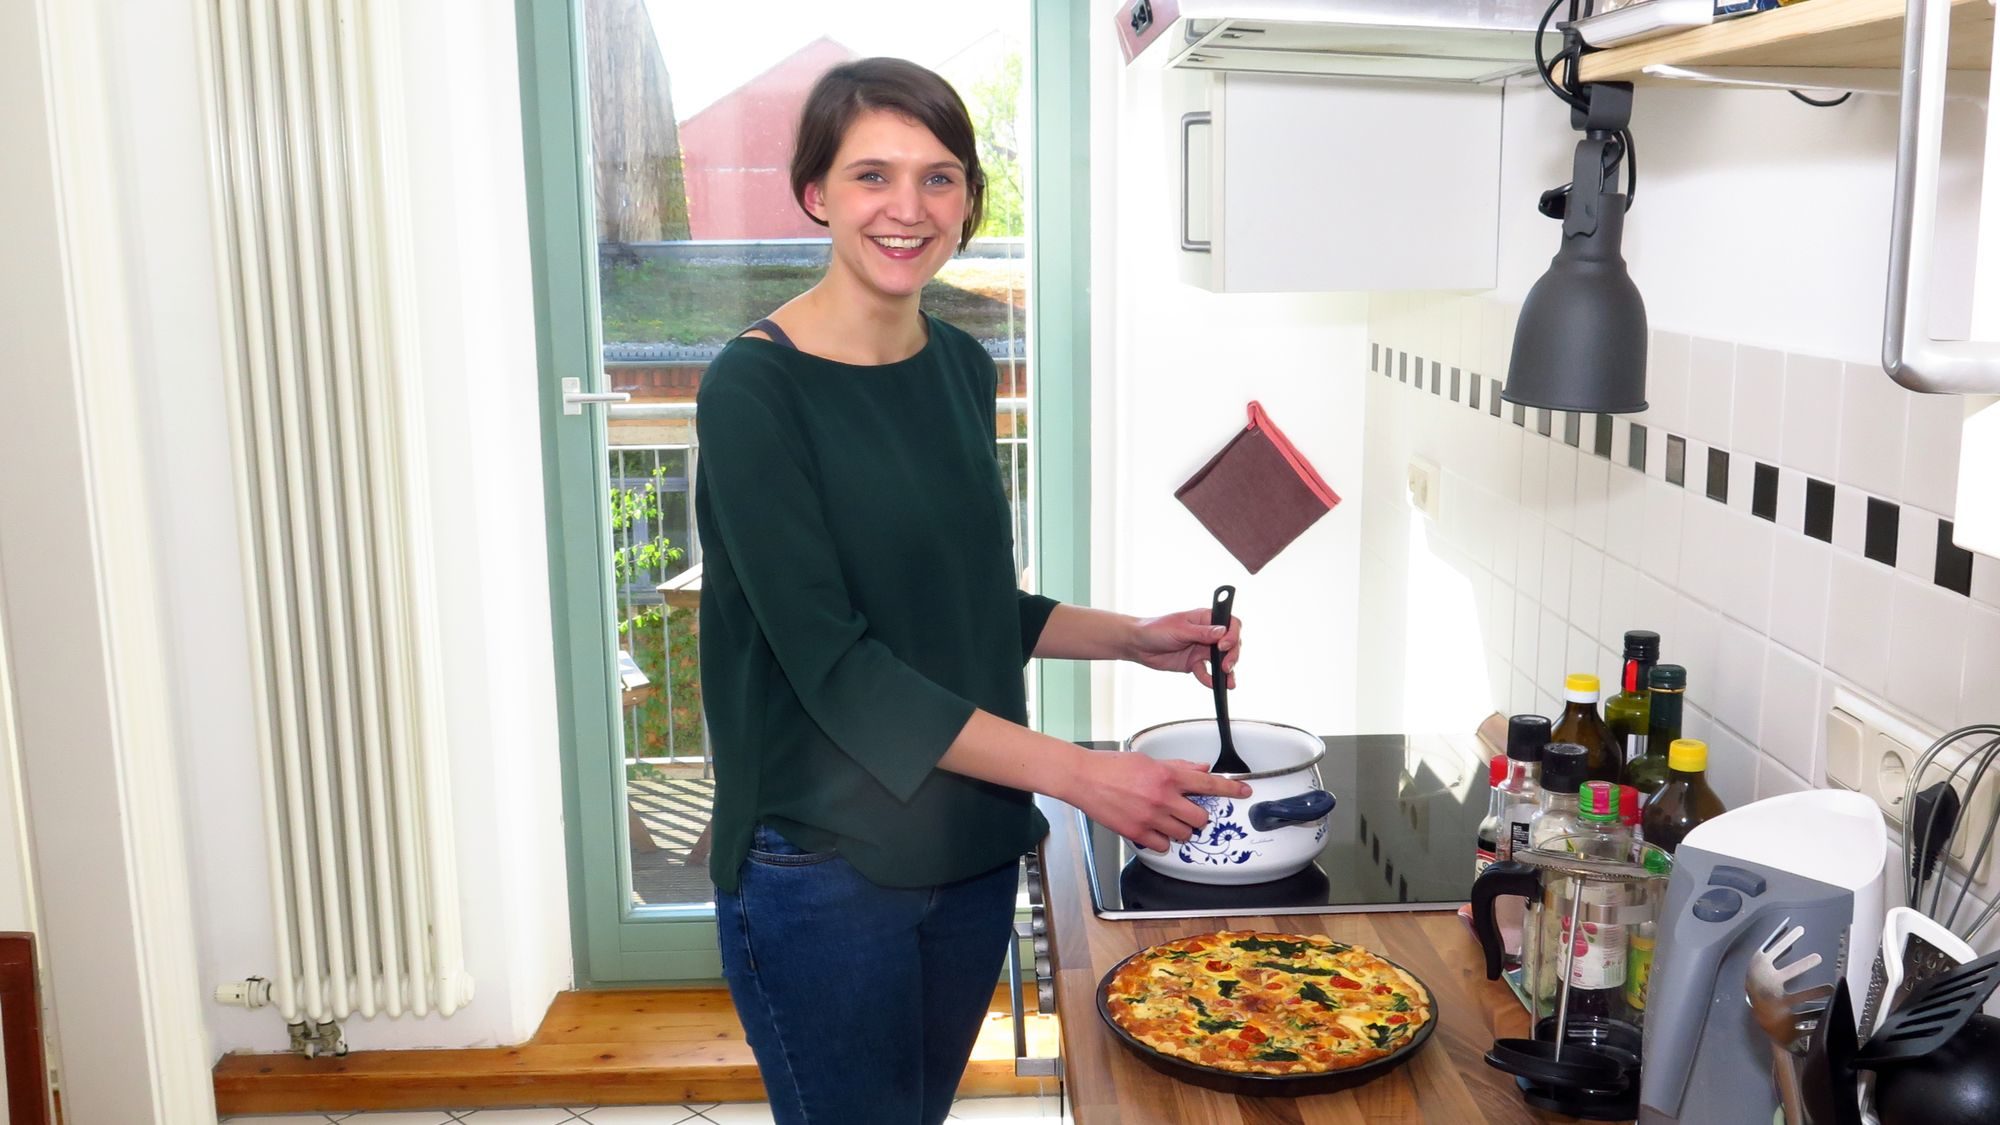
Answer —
894 202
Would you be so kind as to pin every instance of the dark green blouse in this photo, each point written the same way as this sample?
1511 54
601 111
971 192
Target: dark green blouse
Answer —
858 601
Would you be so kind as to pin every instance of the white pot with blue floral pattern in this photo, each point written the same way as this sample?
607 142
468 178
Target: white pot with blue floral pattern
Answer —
1270 834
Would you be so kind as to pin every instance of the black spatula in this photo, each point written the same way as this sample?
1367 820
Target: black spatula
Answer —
1229 761
1935 1012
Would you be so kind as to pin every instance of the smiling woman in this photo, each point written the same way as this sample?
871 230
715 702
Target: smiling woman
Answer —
864 632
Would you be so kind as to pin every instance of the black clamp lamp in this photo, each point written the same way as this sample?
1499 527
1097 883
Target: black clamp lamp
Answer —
1580 343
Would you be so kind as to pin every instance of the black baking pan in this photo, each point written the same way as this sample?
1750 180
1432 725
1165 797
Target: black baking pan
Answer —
1264 1085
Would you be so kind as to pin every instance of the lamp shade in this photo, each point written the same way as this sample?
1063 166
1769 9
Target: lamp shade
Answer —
1581 341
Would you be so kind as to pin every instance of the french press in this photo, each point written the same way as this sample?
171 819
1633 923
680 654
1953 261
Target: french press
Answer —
1586 964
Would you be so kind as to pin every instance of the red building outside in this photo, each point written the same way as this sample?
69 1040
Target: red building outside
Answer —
737 152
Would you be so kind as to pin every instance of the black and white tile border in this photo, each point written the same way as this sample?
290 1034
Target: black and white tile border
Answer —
1898 537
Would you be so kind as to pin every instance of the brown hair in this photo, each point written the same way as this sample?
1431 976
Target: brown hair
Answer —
901 87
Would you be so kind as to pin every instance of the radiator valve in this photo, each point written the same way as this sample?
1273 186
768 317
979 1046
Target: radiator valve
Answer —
317 1040
252 992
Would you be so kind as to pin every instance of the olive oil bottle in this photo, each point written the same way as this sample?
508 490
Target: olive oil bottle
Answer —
1626 714
1648 771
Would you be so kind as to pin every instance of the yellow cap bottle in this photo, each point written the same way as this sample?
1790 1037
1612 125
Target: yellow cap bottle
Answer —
1581 687
1687 755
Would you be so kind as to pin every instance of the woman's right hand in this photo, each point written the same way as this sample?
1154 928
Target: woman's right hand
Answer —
1145 799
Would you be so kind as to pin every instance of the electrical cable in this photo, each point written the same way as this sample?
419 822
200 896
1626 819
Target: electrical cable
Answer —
1915 882
1828 103
1542 65
1546 70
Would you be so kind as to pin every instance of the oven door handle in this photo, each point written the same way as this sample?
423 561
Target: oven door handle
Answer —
1025 1065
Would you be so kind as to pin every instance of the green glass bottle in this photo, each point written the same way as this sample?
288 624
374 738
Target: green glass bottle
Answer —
1627 713
1647 771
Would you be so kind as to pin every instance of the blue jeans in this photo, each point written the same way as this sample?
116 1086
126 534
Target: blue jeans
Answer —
861 1002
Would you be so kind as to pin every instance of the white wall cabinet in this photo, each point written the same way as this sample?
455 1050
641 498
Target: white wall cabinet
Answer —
1319 185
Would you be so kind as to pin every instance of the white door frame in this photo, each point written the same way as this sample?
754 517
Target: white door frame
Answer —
80 599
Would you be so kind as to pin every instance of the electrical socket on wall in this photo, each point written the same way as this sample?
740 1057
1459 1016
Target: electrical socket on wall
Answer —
1425 481
1872 750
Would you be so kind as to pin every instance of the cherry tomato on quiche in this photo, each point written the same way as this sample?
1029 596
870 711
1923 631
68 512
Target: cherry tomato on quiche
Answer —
1252 1035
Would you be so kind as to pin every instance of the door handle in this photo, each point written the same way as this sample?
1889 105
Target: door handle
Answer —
575 397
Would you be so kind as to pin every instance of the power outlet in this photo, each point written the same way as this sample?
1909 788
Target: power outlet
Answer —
1871 750
1425 482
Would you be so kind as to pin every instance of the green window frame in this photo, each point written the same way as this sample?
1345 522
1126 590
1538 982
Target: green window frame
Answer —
611 946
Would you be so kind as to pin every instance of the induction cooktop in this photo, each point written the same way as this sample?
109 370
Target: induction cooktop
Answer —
1402 836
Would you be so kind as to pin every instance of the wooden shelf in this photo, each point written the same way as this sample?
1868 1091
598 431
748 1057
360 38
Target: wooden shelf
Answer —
1864 34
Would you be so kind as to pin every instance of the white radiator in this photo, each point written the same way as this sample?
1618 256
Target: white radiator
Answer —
310 207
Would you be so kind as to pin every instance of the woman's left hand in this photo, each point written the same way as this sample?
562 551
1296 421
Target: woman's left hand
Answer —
1178 642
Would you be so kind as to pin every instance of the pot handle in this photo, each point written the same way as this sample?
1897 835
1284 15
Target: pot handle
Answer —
1505 879
1303 808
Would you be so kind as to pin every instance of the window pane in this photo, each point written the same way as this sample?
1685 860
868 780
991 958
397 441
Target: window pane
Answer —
692 109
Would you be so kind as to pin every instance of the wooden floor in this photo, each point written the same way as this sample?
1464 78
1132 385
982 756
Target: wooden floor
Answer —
629 1047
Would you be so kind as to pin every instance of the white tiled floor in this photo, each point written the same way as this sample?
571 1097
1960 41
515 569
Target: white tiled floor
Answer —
992 1111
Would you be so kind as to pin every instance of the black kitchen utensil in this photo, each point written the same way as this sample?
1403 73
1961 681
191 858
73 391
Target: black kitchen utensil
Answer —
1931 827
1826 1079
1957 1084
1933 1014
1229 761
1574 1065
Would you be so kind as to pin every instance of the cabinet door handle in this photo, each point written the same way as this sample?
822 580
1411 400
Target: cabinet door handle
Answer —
1025 1065
1909 355
1189 123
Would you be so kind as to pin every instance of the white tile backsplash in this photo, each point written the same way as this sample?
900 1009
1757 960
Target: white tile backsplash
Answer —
1711 370
1850 520
1979 689
1872 414
1789 726
1801 570
1666 381
1738 678
1661 535
1811 438
1564 550
1857 627
1586 588
1916 543
1555 568
1930 456
1927 635
1759 404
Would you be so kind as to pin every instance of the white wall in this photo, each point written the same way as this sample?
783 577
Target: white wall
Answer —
1759 242
1173 368
478 372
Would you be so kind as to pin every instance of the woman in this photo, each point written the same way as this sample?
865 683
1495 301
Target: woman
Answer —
863 639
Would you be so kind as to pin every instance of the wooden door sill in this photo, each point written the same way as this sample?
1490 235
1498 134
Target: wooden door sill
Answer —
622 1047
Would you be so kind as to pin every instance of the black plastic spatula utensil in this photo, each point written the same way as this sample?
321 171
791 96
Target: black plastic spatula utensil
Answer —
1935 1012
1229 761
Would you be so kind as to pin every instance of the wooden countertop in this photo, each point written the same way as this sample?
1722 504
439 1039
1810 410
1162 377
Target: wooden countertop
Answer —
1446 1081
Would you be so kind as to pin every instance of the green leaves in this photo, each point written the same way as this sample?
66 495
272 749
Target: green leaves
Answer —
1302 970
1279 947
1316 994
1228 987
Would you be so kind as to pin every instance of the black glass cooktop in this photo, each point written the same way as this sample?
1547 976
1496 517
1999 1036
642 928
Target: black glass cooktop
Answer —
1402 836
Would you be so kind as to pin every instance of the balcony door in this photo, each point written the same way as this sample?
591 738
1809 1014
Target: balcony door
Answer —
658 138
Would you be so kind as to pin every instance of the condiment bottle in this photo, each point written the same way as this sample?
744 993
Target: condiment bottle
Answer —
1625 714
1648 771
1596 948
1685 801
1490 828
1580 725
